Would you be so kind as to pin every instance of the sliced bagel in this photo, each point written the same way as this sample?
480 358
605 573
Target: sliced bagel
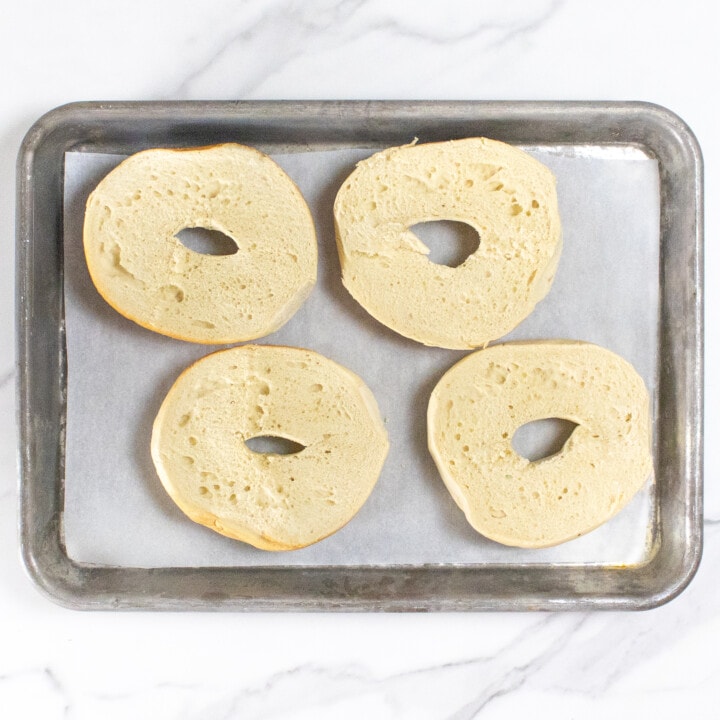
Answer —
271 501
145 272
481 401
507 196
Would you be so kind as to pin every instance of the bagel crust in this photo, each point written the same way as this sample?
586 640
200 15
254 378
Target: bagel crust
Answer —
271 501
507 196
142 269
481 401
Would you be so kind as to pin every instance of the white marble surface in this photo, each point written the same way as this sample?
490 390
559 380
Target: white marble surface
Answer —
56 663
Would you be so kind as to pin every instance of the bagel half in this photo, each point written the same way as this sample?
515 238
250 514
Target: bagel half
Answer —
142 270
271 501
507 196
481 401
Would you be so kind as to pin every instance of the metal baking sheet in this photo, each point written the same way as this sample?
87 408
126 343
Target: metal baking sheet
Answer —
76 521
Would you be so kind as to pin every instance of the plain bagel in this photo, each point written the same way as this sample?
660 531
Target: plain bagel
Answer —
507 196
143 271
271 501
481 401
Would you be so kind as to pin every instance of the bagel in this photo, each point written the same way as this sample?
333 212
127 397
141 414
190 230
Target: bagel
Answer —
271 501
143 271
481 401
507 196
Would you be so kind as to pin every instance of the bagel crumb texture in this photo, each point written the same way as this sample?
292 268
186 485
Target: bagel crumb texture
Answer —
269 500
481 401
506 195
145 272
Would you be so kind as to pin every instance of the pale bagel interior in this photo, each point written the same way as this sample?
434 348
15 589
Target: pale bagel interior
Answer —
146 273
506 195
480 403
271 501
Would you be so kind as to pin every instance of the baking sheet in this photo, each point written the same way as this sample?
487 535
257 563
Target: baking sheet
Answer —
606 291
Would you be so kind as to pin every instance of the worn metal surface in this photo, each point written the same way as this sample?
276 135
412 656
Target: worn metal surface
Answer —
296 126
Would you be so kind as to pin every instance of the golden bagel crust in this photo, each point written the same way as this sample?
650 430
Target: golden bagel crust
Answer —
145 273
501 191
481 401
271 501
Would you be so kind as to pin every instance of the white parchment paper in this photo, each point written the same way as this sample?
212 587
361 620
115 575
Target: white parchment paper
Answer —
606 291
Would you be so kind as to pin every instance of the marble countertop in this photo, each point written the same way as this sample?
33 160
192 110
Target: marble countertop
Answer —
56 663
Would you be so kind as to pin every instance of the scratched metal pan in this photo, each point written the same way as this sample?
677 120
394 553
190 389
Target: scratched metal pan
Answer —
124 128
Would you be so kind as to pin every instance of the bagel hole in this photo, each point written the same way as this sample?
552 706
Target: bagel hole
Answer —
450 242
273 445
206 241
541 439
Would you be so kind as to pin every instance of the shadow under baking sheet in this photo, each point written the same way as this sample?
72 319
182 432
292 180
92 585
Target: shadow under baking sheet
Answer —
116 512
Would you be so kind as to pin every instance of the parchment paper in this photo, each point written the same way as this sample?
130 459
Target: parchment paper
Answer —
606 291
